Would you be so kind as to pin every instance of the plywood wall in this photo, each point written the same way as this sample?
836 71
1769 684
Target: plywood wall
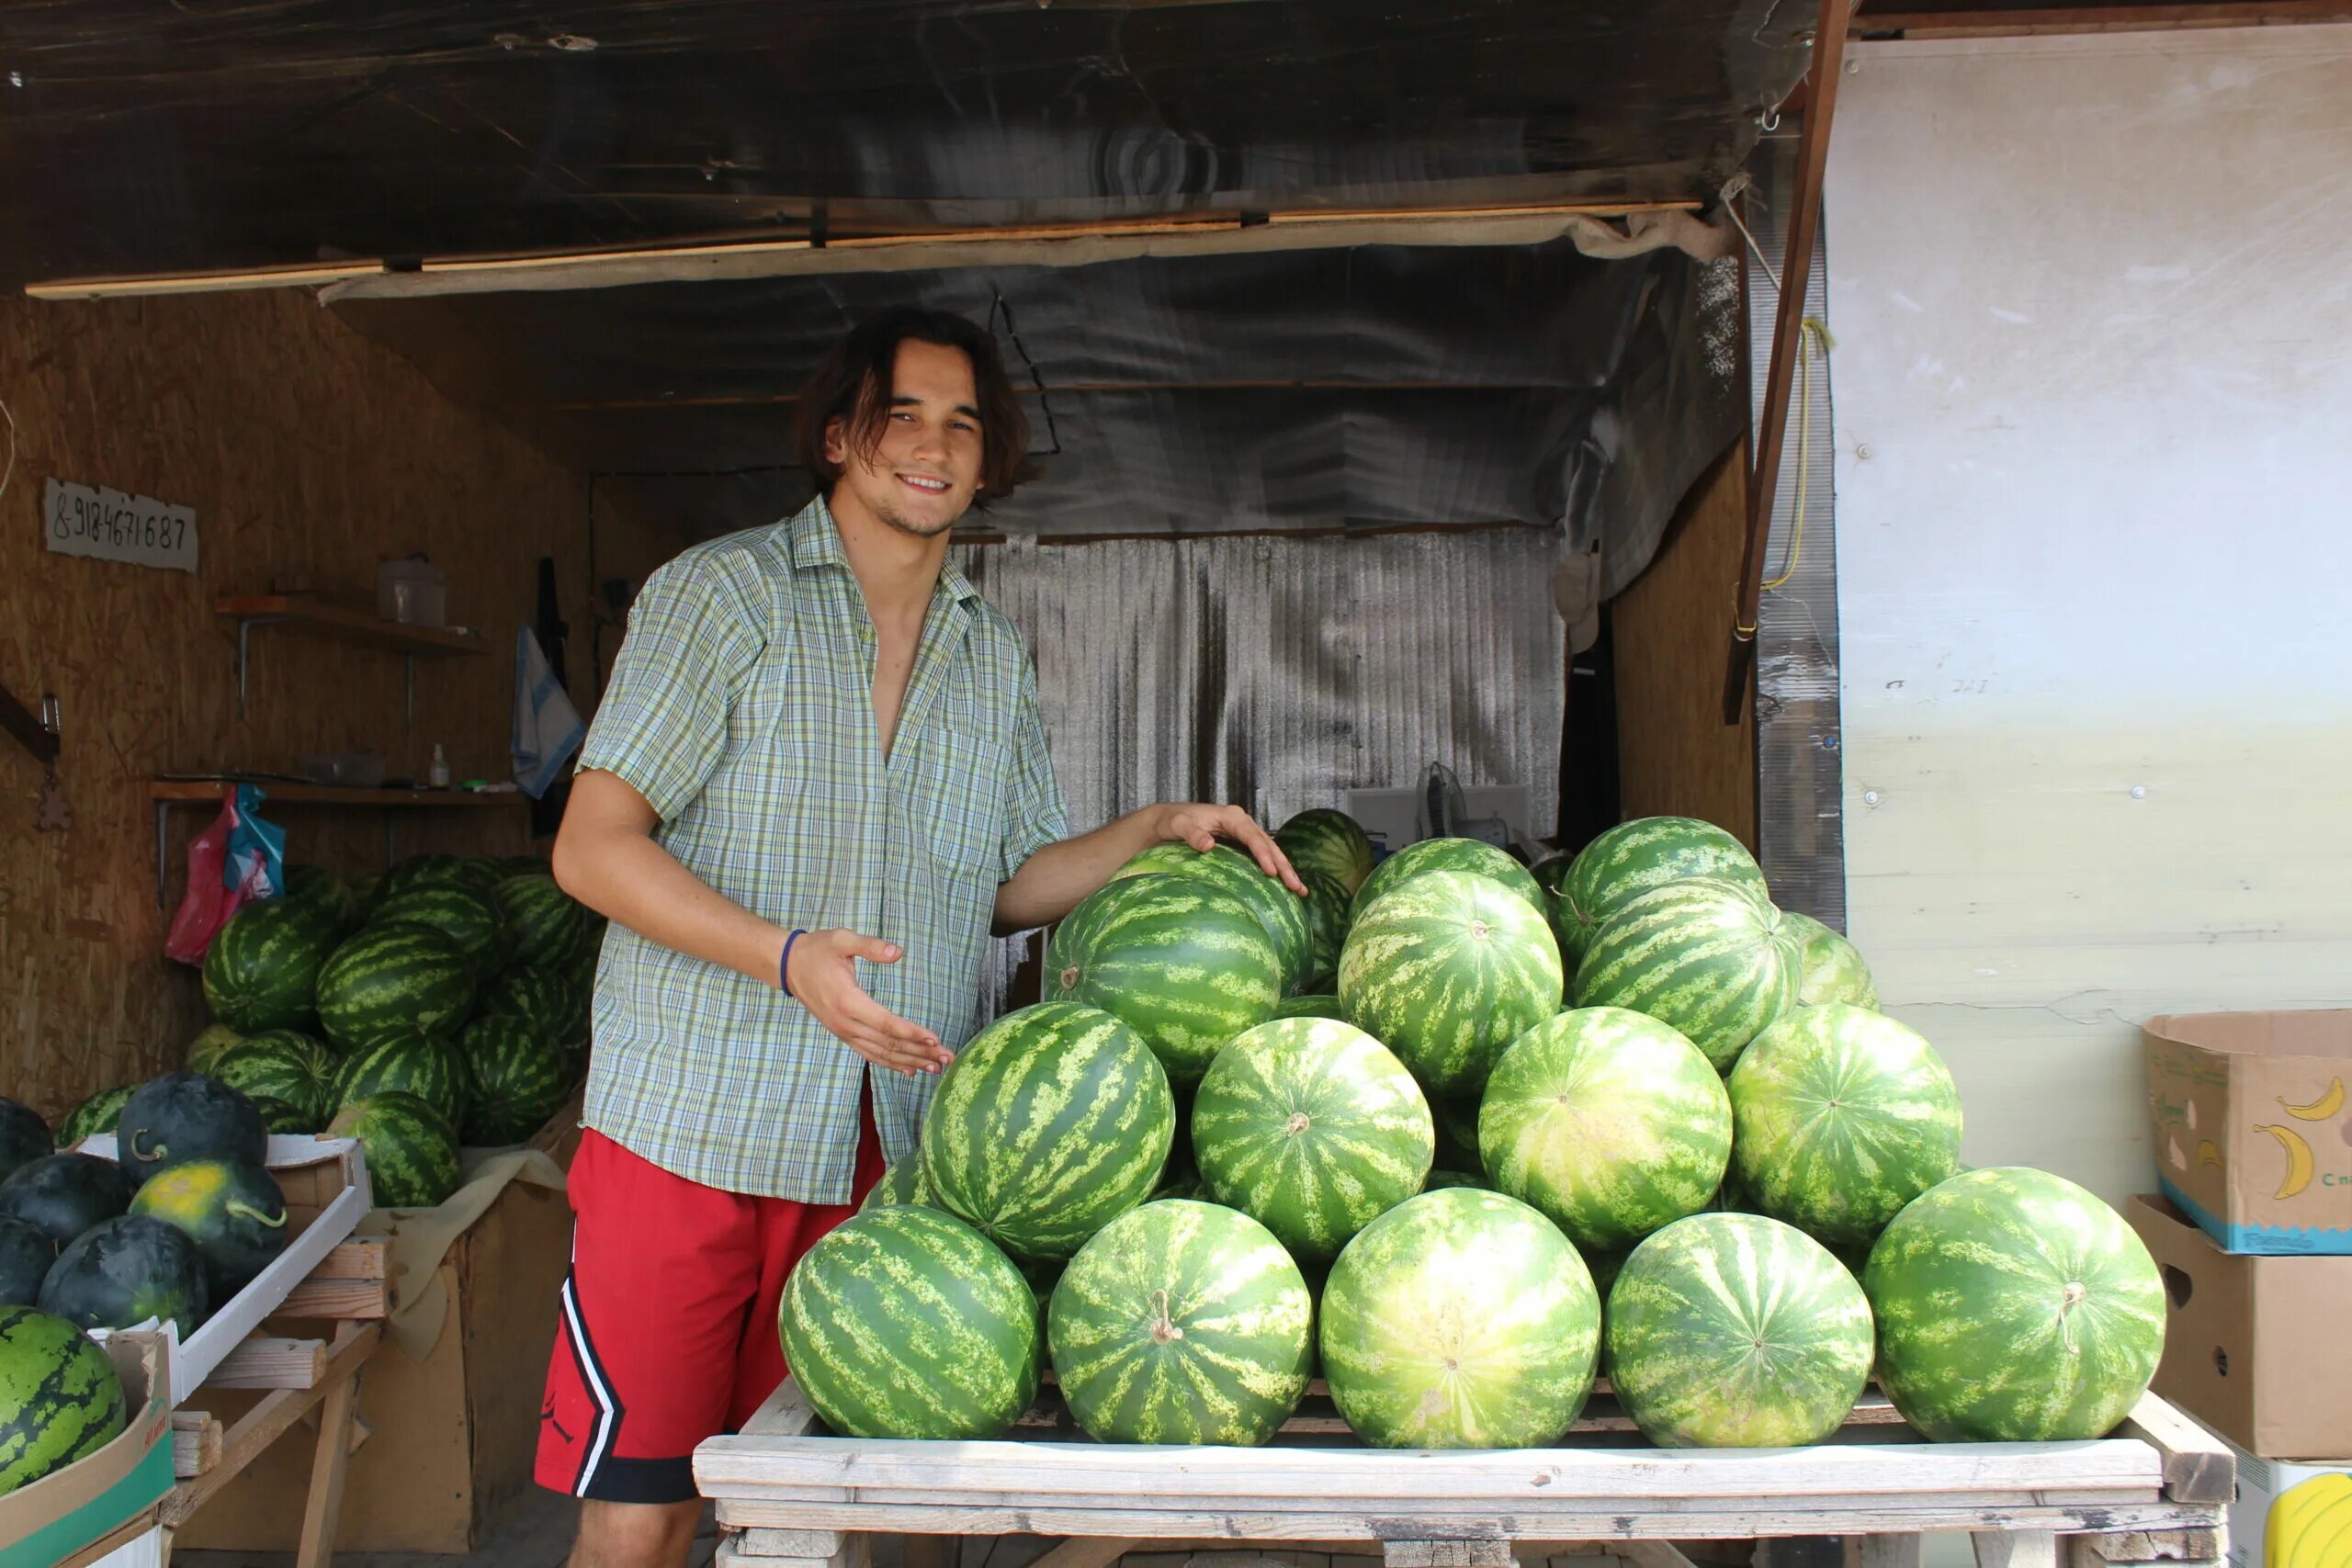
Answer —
305 450
1675 753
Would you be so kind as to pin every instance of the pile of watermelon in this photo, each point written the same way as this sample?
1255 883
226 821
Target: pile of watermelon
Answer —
1461 1134
444 1003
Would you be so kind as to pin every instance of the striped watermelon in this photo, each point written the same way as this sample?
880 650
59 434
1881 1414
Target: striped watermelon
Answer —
399 982
545 927
434 871
1634 858
232 1211
515 1079
323 890
261 970
99 1114
1327 926
1180 1323
410 1149
543 1001
429 1069
1843 1116
1607 1120
1737 1331
60 1399
903 1322
206 1048
283 1065
1330 841
1451 854
1446 971
280 1117
1051 1122
1319 1004
2014 1306
1187 967
1829 968
470 919
1707 958
1312 1128
1282 913
1460 1319
902 1183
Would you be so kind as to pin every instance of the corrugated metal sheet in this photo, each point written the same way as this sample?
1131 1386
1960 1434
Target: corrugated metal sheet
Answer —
1276 673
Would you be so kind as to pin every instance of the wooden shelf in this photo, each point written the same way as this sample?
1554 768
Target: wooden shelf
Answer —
351 625
166 791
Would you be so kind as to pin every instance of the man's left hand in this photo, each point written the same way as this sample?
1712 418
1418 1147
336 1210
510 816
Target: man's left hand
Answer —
1202 826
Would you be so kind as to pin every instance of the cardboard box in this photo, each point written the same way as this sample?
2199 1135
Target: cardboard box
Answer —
2290 1515
95 1498
450 1437
2253 1347
2254 1127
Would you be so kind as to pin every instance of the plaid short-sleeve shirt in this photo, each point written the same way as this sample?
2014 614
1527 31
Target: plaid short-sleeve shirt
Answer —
741 707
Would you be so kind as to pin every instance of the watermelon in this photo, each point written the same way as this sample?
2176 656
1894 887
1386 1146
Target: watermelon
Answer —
1451 854
1457 1133
521 865
1185 965
904 1322
1283 914
516 1078
1453 1179
323 890
1737 1331
1634 858
1829 968
1607 1120
1330 841
60 1399
1460 1319
1050 1123
206 1048
276 1116
544 925
432 1071
1708 958
432 871
1312 1128
1446 970
99 1114
122 1271
397 982
64 1195
24 1137
25 1255
1842 1116
1180 1323
283 1065
902 1183
1327 906
470 919
186 1116
2014 1306
410 1149
232 1211
261 970
545 1001
1314 1004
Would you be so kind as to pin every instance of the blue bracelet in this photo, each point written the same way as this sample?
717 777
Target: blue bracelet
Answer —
784 965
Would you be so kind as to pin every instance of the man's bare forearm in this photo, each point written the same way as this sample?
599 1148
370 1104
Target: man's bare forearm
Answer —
1058 878
622 874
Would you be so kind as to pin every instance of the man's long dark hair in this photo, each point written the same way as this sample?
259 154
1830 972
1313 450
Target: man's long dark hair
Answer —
853 385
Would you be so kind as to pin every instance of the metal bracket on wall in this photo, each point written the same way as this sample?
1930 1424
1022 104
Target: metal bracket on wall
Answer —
246 624
36 734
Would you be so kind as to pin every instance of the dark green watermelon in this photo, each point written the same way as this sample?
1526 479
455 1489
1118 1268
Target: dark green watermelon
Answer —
422 871
544 925
234 1212
284 1064
395 982
25 1255
121 1273
64 1195
262 971
323 890
187 1116
99 1114
60 1399
544 1001
469 918
280 1117
24 1136
428 1069
518 1079
410 1149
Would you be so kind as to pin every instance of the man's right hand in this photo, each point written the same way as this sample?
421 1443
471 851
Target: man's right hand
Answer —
821 972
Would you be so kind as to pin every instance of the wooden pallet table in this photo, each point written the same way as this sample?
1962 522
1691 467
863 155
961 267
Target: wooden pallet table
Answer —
792 1494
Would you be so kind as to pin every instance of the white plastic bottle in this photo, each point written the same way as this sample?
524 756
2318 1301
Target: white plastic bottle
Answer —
438 775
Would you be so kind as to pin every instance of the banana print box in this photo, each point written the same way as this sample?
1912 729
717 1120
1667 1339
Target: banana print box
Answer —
2252 1132
2290 1515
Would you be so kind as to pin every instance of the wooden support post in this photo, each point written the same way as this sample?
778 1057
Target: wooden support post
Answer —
1788 325
330 1459
1474 1553
1884 1550
2015 1548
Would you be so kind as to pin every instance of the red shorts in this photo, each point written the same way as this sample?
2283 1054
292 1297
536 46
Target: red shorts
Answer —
668 1327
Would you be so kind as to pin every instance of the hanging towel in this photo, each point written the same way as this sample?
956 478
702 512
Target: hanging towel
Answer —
547 727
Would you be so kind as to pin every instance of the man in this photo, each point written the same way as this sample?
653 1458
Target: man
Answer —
820 749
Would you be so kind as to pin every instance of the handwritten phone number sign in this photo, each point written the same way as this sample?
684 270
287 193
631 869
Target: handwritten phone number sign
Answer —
80 520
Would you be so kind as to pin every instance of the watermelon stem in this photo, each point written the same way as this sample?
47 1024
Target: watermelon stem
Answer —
1164 1329
137 1137
2074 1298
247 1211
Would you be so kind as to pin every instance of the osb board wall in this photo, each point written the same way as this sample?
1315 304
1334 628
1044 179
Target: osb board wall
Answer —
305 450
1675 754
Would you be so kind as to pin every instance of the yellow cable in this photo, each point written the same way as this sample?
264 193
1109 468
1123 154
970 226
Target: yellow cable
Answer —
1810 330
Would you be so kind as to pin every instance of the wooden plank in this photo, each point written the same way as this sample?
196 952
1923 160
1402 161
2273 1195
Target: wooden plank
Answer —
317 1298
1653 1554
266 1422
2015 1548
784 1414
1927 23
791 1543
322 1508
1088 1552
351 625
361 1257
1884 1550
2196 1467
195 1443
214 790
2146 1546
1472 1553
268 1362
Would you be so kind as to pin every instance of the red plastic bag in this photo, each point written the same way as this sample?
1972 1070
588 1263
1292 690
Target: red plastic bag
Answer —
209 902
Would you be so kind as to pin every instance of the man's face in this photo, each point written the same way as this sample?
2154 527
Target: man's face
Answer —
923 473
